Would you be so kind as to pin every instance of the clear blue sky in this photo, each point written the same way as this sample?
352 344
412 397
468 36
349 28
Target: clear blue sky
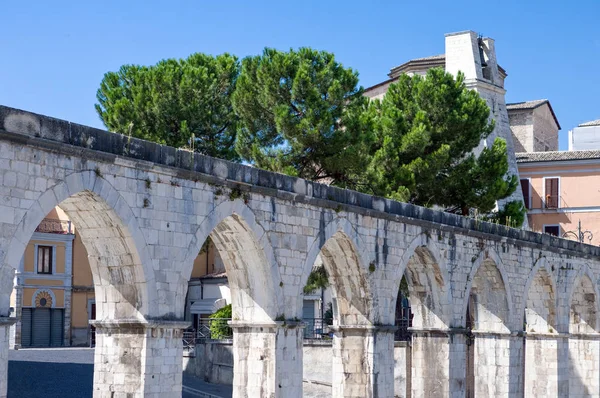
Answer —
54 53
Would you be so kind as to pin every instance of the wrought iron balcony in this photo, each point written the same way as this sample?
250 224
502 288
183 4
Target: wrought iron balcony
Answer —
551 202
50 226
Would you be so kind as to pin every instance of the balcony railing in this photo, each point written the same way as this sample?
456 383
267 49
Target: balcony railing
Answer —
551 202
50 226
213 329
315 329
403 322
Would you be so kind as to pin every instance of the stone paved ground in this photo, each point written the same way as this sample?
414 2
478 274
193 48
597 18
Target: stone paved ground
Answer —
68 373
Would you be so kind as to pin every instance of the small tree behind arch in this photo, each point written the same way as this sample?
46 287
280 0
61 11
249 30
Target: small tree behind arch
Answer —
219 329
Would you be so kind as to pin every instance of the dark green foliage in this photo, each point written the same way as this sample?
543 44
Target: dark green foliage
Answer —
205 246
328 316
235 193
404 287
478 182
512 215
292 106
426 129
318 279
219 329
180 103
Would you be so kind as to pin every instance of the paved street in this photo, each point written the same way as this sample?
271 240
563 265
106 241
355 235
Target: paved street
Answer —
68 373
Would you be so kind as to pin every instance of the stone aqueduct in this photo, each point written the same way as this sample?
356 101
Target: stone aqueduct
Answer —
499 312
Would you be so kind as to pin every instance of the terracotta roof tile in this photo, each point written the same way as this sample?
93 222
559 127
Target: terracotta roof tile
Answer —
591 123
526 104
529 157
529 105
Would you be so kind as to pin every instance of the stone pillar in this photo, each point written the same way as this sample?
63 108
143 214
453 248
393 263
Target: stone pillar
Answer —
541 364
138 358
497 364
67 317
267 359
584 358
363 361
5 324
438 362
564 364
68 291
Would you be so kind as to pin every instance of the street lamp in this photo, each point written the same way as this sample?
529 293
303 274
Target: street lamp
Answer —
579 234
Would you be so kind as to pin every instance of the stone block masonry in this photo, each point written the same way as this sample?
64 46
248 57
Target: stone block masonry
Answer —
143 212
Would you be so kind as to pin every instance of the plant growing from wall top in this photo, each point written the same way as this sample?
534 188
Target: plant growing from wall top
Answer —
219 329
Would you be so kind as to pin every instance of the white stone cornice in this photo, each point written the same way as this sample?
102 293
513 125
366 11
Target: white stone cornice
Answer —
48 237
478 84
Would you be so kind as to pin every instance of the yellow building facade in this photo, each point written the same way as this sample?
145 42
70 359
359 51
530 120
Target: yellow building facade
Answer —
43 291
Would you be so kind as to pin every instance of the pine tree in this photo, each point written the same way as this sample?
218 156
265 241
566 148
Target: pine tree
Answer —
292 107
180 103
426 129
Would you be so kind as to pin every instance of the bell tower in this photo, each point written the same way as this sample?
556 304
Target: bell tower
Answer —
475 57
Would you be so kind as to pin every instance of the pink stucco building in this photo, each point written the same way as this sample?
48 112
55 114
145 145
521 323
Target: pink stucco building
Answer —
561 189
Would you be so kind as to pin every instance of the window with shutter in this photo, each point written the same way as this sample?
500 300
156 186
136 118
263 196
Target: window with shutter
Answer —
44 259
526 192
552 196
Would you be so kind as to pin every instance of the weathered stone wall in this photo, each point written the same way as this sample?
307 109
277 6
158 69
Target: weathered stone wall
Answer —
545 130
521 126
143 212
213 362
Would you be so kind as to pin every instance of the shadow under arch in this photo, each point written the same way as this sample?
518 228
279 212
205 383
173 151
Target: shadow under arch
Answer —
488 313
488 260
428 284
430 304
121 266
584 326
584 278
541 299
249 260
344 262
542 341
362 352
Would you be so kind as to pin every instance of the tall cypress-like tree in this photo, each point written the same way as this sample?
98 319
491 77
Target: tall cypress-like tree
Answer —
292 106
185 102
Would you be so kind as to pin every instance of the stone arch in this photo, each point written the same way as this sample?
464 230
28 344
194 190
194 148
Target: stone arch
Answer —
541 300
252 270
428 280
583 304
541 322
120 264
338 244
488 295
583 343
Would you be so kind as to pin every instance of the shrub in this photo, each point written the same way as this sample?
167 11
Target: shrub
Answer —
219 329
